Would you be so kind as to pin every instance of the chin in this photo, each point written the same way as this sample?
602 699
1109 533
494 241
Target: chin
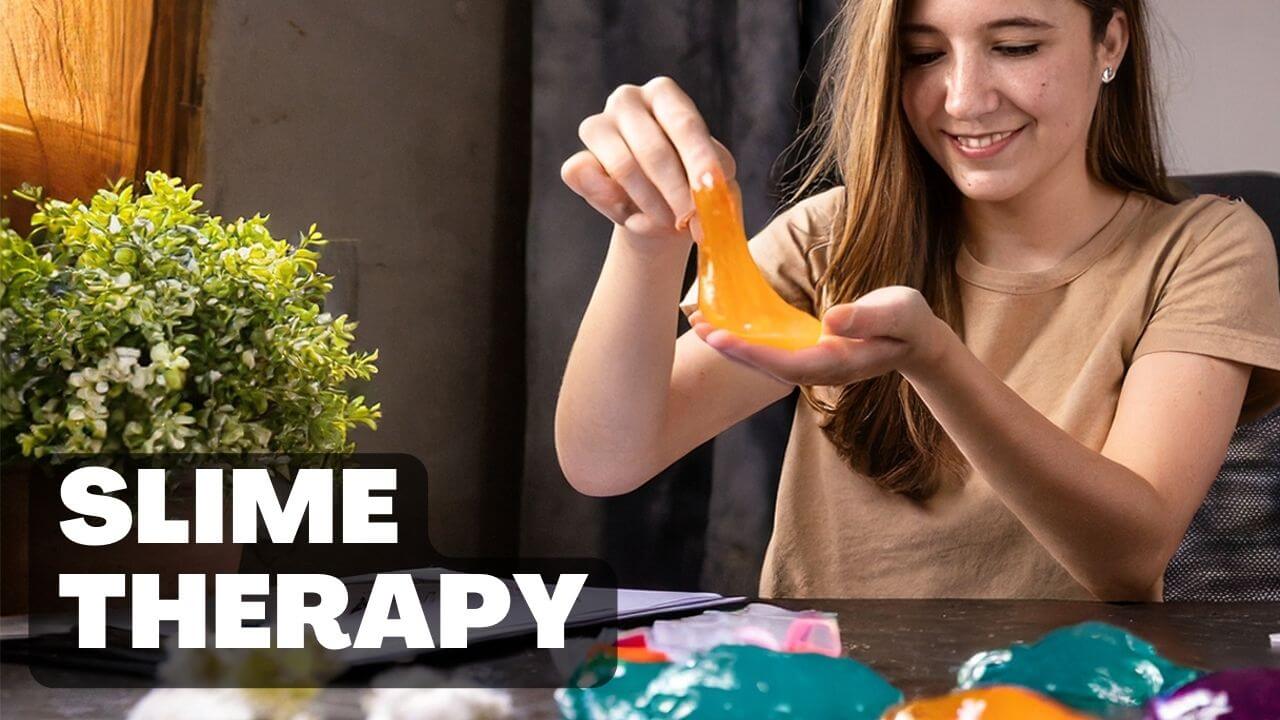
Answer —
986 187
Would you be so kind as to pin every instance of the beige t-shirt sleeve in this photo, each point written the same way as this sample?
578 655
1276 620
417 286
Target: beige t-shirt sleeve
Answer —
1222 299
785 251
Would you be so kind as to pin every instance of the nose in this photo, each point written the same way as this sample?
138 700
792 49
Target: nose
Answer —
971 91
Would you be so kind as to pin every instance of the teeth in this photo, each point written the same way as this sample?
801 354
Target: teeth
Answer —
977 142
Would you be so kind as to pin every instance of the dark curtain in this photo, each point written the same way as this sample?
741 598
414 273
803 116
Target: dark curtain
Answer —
751 66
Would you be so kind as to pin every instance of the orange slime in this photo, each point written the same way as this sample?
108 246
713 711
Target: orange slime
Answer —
732 294
998 702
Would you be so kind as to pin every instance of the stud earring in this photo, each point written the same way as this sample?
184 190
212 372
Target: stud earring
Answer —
1108 74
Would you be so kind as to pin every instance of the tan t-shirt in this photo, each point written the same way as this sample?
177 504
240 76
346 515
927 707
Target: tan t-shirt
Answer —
1199 276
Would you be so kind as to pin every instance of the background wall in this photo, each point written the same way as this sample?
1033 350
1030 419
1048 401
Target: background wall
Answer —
1219 77
401 124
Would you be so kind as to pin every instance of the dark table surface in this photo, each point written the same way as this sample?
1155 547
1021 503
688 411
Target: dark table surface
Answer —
916 644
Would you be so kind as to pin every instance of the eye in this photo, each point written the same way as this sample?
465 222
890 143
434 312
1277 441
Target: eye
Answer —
915 59
1018 50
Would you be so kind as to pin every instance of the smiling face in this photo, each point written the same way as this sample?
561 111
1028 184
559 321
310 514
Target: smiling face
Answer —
1001 92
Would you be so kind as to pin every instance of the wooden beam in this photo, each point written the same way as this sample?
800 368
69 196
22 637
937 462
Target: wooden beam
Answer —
172 88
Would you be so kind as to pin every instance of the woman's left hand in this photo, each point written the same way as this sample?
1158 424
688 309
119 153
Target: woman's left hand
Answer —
892 328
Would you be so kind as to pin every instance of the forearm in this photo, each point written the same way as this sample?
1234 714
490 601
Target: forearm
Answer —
613 398
1105 524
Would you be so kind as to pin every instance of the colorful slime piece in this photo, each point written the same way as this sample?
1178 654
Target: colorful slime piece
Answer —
732 294
1001 702
1227 695
731 681
587 698
1092 666
767 626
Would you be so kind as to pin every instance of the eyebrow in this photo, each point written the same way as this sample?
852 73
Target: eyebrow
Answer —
1020 21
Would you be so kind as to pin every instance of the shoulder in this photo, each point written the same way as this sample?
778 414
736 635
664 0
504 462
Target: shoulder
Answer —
1215 289
818 212
808 224
1209 220
1205 235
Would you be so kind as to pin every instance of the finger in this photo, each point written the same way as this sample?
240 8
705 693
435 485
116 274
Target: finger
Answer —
835 321
584 174
862 319
727 163
602 138
832 362
701 328
690 219
860 358
719 339
683 124
780 363
655 153
695 229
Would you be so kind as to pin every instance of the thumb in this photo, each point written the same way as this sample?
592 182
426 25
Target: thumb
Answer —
863 319
838 320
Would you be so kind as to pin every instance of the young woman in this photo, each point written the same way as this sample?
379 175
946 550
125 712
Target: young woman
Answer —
1034 353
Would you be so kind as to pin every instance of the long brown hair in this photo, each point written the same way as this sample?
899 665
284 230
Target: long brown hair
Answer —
898 211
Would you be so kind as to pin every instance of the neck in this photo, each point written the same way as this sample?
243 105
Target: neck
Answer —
1042 226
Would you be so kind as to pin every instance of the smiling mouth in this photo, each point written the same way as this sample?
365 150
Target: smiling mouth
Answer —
983 145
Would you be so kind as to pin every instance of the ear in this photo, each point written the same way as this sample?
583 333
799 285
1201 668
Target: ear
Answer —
1114 42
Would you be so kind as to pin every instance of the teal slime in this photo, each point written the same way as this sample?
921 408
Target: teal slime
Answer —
1093 667
587 698
738 681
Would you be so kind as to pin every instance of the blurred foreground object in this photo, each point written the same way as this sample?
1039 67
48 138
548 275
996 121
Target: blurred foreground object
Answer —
1001 702
729 681
1093 667
1228 695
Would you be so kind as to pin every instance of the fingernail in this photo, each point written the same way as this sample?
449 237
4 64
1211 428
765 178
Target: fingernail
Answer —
844 323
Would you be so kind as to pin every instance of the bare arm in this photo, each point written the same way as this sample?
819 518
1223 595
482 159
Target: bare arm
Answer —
634 399
1112 518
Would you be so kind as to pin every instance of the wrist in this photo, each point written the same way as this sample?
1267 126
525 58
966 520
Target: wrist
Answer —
932 354
652 248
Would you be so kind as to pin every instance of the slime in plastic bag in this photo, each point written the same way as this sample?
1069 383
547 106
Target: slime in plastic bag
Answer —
732 294
731 681
766 626
1001 702
1093 666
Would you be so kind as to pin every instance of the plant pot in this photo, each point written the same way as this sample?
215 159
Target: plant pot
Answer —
14 483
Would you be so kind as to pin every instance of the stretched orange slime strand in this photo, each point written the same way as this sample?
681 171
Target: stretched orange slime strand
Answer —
732 294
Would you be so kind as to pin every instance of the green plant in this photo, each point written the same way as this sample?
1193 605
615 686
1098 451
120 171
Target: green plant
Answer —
139 324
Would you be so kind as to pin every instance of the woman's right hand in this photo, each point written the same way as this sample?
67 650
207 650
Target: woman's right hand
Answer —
641 154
